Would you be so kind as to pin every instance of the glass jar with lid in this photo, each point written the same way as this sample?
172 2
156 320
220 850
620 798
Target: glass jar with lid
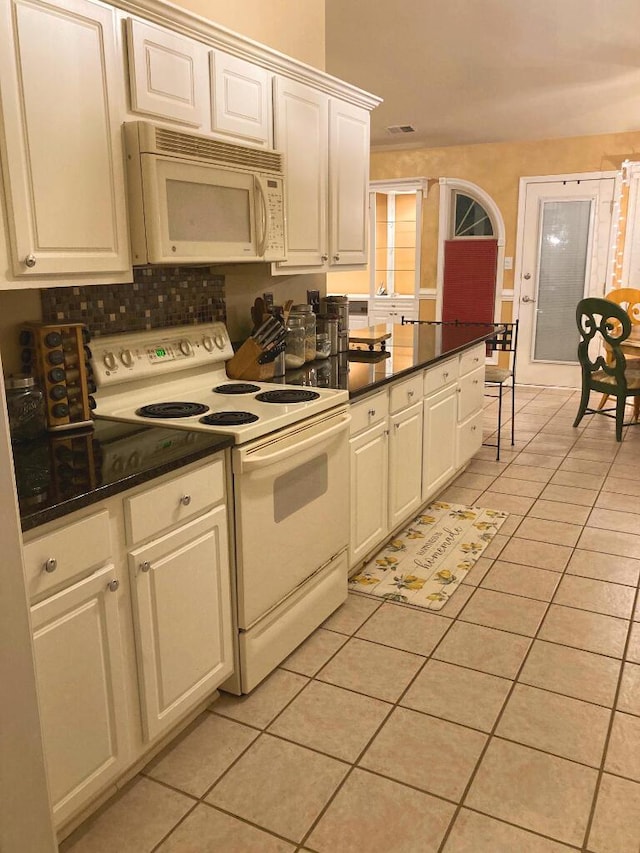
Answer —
26 408
294 350
306 311
323 345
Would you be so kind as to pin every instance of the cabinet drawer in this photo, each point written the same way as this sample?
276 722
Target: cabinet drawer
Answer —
59 558
471 394
405 394
368 412
471 359
439 376
173 502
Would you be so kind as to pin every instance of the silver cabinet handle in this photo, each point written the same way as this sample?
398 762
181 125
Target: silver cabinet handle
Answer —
527 275
474 428
324 258
445 375
527 299
475 381
476 359
51 565
146 566
185 500
371 413
410 394
113 585
396 426
336 257
30 261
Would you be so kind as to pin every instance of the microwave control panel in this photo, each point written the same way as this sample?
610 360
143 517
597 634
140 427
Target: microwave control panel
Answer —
275 249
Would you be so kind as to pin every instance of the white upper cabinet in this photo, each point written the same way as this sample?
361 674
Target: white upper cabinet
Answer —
62 147
240 100
168 75
301 124
325 142
349 141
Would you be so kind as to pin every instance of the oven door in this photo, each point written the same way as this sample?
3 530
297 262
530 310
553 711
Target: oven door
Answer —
291 494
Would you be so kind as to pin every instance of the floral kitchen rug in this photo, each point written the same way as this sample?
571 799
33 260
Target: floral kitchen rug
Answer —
425 563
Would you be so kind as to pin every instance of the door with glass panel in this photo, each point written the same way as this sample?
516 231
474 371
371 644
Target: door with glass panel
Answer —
565 256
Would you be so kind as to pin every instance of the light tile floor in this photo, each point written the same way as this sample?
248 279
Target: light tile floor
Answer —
508 721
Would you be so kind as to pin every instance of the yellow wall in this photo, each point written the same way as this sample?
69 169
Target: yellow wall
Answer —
292 27
497 169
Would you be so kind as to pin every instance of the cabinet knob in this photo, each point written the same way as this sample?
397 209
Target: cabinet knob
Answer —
476 359
146 566
51 565
410 394
324 258
336 257
475 381
185 500
113 585
30 261
445 375
372 413
474 428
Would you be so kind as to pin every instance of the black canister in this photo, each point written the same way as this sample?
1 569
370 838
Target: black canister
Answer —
26 408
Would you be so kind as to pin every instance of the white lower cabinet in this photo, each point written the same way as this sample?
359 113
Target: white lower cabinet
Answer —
439 460
182 618
123 656
405 464
81 689
369 490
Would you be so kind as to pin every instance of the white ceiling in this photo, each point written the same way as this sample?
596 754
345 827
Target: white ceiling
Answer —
471 71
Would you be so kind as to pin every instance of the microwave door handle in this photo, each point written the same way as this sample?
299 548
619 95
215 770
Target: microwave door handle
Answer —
264 218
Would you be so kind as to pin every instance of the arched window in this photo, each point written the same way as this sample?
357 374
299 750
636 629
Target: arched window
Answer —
470 219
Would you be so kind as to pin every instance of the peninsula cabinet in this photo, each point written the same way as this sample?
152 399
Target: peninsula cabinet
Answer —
62 105
405 450
325 142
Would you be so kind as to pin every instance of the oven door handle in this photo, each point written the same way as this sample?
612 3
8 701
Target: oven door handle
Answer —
262 460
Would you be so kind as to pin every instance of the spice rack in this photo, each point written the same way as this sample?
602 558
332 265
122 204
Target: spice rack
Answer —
58 356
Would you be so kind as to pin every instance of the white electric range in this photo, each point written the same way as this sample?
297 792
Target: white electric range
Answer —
290 465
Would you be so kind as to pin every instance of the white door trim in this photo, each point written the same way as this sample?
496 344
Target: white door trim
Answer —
447 186
522 200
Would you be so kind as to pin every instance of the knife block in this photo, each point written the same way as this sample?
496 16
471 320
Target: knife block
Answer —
245 365
59 358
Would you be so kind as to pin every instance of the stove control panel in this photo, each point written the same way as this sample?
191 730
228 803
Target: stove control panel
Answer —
139 355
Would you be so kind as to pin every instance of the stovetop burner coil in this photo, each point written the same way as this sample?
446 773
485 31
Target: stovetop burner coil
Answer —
287 395
172 410
229 418
236 388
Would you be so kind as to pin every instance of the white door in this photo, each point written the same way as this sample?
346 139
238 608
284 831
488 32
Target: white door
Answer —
405 463
369 491
241 100
565 256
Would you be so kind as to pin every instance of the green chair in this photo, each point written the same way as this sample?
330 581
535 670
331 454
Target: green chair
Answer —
603 326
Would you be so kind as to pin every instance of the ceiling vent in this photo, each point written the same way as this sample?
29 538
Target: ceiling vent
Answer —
401 128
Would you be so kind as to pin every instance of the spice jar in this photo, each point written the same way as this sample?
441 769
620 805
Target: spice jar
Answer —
306 311
26 408
294 351
323 345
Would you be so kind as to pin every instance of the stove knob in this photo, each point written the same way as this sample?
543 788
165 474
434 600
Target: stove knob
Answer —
186 348
109 360
126 357
208 343
219 341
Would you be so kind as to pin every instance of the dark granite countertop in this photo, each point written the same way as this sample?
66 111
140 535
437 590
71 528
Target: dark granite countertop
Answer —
66 471
410 347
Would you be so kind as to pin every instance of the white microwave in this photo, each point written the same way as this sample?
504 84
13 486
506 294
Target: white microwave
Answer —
194 199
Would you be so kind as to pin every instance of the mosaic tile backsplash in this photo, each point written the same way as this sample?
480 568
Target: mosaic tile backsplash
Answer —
157 298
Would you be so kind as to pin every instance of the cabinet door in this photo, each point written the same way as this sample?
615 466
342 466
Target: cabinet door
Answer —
369 491
167 74
405 464
241 100
301 133
63 160
182 619
438 440
469 438
349 143
81 690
